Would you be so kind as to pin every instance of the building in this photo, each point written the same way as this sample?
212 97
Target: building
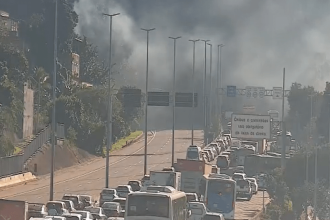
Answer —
8 25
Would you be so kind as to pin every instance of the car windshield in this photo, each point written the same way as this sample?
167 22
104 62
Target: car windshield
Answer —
192 154
92 209
122 189
237 176
83 214
108 192
71 217
191 198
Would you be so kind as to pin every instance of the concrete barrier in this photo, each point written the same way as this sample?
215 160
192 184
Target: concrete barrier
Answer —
17 179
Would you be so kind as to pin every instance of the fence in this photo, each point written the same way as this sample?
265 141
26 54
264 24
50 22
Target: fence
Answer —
15 164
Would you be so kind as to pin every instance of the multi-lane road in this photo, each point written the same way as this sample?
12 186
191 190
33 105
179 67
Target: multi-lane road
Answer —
125 164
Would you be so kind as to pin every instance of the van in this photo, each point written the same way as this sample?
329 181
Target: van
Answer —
194 153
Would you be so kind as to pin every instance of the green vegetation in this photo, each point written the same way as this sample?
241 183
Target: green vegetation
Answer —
83 110
123 141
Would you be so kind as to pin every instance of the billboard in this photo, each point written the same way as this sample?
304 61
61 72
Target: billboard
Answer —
250 126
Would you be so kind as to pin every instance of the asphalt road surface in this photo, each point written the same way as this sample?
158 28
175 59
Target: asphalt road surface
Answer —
125 164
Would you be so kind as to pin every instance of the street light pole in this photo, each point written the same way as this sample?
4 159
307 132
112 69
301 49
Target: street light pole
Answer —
204 97
146 104
51 187
173 107
210 90
193 92
109 118
219 78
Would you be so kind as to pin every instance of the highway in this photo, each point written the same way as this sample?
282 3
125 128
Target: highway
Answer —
125 164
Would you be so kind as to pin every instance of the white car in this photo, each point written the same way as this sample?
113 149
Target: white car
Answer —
244 189
254 185
123 190
85 214
239 176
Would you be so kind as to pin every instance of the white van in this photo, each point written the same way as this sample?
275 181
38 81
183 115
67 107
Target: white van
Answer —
194 153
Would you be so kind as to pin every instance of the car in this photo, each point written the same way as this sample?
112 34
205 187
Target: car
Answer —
107 195
85 214
123 190
135 184
254 185
121 201
213 216
244 189
192 197
36 210
112 209
73 216
69 205
86 200
96 211
78 204
216 147
56 208
239 176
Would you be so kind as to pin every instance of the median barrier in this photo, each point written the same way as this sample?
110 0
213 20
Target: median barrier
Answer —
16 179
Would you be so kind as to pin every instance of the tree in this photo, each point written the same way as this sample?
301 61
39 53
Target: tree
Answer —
301 104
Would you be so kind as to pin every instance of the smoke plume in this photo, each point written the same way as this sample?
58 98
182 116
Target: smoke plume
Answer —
260 37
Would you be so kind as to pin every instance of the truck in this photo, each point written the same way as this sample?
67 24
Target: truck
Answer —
192 172
13 209
166 178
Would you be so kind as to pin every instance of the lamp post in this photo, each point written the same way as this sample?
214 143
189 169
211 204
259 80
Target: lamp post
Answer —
210 90
109 118
51 185
219 103
193 93
204 98
173 107
146 104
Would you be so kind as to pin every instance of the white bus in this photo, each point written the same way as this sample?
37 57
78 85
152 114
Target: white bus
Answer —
157 203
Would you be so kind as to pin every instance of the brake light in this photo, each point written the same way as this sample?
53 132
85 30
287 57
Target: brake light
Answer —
206 201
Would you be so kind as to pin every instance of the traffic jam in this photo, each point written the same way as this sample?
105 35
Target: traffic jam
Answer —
203 186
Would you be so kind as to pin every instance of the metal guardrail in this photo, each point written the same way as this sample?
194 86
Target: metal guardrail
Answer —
15 164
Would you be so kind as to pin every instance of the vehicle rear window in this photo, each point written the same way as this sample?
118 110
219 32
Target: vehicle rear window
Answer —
236 176
191 198
74 199
122 188
242 183
71 218
211 217
108 192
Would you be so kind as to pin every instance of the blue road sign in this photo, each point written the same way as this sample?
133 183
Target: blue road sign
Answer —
231 91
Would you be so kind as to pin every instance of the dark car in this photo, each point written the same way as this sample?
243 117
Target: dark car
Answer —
135 184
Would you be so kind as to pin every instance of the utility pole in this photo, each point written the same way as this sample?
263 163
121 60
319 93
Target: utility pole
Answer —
204 98
193 93
219 103
283 125
109 118
51 185
173 107
210 90
146 105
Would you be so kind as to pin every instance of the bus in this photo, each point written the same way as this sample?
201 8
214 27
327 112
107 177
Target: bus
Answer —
156 203
219 194
256 164
243 152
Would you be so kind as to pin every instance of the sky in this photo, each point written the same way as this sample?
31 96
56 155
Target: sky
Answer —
261 38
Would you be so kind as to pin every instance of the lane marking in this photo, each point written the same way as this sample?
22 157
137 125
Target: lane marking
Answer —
83 175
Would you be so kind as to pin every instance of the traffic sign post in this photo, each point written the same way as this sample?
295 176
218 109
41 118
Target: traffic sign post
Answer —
185 99
277 92
231 91
158 99
132 97
254 92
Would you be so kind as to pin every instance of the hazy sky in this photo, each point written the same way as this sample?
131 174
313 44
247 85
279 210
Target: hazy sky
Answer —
261 38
